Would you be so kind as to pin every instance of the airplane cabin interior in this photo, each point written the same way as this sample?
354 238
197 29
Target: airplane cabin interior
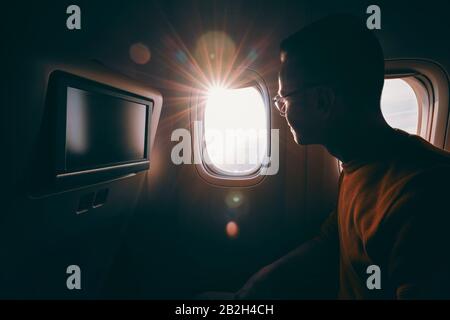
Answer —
118 119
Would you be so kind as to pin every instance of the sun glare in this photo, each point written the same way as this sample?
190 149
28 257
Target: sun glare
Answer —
235 123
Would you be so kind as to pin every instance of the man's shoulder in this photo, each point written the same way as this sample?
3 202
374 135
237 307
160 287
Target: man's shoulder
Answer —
421 172
415 169
414 154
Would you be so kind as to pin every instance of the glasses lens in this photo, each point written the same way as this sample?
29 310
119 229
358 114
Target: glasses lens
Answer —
280 104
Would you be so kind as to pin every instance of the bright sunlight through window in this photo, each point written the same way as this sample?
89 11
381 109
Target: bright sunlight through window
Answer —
399 105
235 131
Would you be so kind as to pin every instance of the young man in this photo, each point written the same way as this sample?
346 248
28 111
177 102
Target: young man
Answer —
392 209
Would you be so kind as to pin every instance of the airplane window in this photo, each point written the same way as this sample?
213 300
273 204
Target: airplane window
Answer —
399 105
235 131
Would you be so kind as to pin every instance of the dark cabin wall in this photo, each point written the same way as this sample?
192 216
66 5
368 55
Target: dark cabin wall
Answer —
175 244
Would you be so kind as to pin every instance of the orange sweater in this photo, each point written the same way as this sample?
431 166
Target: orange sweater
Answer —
394 212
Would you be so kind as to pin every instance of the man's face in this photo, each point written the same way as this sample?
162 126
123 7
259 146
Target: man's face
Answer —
306 116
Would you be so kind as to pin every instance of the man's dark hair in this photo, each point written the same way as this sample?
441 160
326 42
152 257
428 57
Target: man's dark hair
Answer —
341 52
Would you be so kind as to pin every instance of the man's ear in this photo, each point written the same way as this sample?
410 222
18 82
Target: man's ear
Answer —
326 99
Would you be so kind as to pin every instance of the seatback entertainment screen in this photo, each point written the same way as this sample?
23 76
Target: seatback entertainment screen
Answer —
95 129
100 132
103 130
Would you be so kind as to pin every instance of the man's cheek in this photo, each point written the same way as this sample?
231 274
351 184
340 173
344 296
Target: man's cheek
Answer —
295 121
289 119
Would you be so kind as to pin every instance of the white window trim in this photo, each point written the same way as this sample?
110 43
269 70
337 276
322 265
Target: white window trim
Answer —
247 78
430 83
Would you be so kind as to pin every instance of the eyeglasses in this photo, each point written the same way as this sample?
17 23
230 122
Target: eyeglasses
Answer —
281 102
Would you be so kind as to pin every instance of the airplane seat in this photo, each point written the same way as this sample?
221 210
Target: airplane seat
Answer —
72 215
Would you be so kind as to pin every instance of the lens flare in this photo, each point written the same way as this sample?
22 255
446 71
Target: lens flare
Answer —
181 57
234 199
214 59
252 55
215 44
140 53
232 229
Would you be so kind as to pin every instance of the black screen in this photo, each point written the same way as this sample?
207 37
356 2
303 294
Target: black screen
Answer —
103 129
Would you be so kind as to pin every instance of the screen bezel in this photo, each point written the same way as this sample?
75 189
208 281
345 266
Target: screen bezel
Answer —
63 176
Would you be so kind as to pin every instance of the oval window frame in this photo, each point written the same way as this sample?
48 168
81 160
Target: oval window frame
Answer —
247 78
